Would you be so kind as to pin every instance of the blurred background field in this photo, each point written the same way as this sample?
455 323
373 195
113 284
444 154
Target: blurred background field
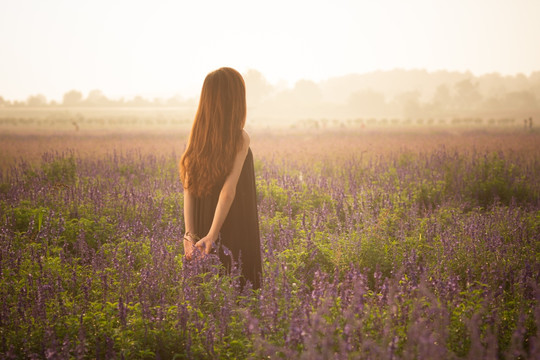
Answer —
28 132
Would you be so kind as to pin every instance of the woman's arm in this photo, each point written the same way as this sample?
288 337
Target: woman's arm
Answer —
189 239
226 197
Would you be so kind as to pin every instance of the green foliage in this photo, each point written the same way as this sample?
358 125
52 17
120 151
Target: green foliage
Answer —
318 257
495 179
23 214
290 201
430 194
4 188
61 170
96 231
461 316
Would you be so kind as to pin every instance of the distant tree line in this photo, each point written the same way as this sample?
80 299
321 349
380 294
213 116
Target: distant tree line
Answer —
95 98
400 93
396 93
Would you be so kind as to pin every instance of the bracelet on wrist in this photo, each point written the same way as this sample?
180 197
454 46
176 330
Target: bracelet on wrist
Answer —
191 237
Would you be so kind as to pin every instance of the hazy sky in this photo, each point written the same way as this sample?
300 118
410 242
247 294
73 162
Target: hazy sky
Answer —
162 48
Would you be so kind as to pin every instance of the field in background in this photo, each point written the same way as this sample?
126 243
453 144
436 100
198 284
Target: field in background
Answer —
28 132
75 119
379 241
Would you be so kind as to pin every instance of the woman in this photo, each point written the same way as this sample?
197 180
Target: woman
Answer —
218 177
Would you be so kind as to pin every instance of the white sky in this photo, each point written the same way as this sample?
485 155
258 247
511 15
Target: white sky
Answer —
162 48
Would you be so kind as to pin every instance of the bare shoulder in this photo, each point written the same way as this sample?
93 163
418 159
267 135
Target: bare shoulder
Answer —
246 140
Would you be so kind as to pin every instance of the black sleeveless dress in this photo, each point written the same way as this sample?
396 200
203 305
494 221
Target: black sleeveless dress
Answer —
240 230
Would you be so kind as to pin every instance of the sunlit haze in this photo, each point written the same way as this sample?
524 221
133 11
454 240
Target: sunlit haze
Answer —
163 48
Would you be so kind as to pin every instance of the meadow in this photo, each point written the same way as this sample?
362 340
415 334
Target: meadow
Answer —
377 242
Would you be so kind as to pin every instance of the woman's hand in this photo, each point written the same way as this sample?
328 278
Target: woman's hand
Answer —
205 244
193 246
189 245
188 249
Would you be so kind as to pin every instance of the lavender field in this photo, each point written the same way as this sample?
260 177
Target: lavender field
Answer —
376 245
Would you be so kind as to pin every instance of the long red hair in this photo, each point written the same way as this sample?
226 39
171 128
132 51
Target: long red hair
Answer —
216 135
